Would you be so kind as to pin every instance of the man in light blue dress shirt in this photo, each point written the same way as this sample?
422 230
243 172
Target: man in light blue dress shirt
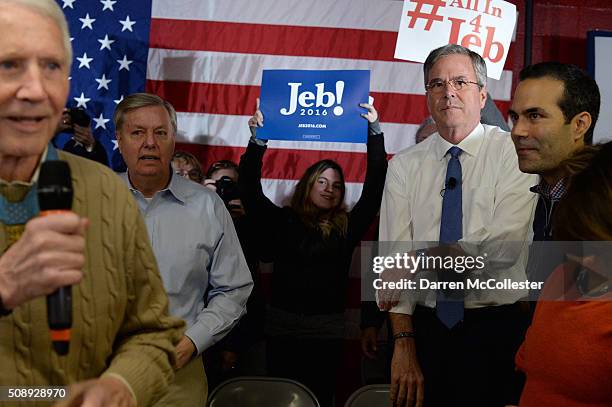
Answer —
193 238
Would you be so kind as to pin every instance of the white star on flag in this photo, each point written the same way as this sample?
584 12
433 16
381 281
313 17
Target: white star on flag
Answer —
108 4
101 121
87 22
106 43
84 61
124 63
115 144
117 101
68 3
127 24
82 101
103 82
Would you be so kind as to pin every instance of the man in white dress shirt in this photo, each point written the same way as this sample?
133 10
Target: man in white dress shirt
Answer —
462 186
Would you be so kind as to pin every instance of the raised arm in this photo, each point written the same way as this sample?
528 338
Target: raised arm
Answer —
367 207
256 203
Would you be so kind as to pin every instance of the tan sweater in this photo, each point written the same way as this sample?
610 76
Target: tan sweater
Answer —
120 310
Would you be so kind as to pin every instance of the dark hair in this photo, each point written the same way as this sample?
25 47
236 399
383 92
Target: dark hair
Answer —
585 211
580 91
334 220
221 165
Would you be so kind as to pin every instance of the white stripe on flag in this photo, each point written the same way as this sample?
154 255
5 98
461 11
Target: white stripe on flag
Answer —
230 130
246 69
381 15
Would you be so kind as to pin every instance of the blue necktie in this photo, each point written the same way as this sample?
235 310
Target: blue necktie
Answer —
450 312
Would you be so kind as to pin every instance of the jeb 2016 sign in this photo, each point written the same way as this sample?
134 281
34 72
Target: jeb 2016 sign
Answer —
314 105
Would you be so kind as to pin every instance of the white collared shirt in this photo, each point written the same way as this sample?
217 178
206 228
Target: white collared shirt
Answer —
496 202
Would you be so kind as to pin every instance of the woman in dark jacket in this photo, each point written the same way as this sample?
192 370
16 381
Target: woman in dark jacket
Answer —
311 243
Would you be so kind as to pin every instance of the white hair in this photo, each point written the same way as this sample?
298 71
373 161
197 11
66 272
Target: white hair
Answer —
49 8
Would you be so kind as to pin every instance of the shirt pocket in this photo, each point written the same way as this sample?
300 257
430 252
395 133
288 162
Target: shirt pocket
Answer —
187 270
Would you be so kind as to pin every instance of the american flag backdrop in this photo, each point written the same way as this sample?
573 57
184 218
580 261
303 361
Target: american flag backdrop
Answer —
206 57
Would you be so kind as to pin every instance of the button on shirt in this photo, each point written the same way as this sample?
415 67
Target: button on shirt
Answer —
197 249
497 207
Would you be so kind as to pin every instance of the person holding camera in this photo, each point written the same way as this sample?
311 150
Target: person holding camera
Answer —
239 353
77 122
222 177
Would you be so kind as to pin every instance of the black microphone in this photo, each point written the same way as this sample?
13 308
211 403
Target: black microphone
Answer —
451 183
55 196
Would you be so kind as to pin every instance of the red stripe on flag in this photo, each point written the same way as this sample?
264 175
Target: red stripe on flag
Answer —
282 163
240 100
272 39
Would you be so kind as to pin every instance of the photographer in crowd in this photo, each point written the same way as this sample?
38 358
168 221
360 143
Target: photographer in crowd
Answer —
77 122
222 177
241 352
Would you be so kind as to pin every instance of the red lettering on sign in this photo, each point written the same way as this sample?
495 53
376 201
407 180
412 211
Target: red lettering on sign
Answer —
489 44
493 50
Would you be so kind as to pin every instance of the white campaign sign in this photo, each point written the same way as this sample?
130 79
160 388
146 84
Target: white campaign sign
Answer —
484 26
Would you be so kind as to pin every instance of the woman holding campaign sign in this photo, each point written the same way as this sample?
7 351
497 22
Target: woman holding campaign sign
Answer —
311 242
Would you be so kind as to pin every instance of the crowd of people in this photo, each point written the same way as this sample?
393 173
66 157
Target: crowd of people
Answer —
164 258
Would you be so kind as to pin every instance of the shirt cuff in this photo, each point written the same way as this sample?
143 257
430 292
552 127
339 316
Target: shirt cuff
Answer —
201 340
374 128
404 307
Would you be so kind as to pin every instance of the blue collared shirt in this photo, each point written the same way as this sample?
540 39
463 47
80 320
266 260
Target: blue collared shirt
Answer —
199 258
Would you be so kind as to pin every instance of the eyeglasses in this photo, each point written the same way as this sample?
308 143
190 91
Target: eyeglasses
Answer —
438 85
194 175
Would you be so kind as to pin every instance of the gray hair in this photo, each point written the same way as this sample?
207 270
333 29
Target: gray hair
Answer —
480 68
427 122
138 100
49 8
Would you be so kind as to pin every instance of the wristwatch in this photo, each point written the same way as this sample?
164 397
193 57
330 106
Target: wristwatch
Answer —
3 311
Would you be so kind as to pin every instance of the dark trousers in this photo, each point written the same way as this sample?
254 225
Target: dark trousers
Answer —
312 362
471 365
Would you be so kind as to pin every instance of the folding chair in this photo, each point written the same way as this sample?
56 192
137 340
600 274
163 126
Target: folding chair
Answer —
256 391
373 395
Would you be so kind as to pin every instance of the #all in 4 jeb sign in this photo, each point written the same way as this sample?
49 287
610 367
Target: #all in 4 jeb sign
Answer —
484 26
314 105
